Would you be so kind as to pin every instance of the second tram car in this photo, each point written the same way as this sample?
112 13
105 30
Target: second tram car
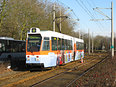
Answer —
49 48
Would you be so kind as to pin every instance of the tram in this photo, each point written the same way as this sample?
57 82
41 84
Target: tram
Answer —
11 48
49 48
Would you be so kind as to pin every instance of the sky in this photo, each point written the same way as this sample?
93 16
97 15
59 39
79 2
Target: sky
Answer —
83 9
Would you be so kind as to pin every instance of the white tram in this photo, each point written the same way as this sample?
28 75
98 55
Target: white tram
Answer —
49 48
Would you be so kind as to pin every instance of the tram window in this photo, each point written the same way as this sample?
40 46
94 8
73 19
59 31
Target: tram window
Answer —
77 45
54 43
59 44
70 45
46 44
81 46
63 44
46 38
34 43
66 45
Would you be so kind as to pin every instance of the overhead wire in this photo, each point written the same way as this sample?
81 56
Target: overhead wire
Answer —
87 10
92 1
68 8
89 4
83 6
84 10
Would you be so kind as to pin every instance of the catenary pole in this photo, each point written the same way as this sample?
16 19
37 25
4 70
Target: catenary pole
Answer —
79 31
108 18
92 42
112 32
60 20
54 17
89 41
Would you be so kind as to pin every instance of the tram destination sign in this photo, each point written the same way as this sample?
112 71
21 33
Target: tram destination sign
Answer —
34 30
34 37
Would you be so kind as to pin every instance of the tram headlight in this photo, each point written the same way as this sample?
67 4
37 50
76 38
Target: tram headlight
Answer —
28 58
37 58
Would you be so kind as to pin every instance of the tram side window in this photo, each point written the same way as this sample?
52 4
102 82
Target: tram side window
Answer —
81 46
77 45
54 43
70 45
63 44
46 44
66 45
59 43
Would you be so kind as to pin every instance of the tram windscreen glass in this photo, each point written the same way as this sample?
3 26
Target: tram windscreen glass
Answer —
34 43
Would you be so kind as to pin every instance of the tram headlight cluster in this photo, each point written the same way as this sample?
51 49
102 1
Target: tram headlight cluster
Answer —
37 58
28 58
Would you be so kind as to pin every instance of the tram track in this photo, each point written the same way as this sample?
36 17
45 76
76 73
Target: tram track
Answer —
62 69
70 70
29 78
26 79
82 74
13 76
41 82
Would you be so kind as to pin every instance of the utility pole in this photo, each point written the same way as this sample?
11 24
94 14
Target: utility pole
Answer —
79 30
107 18
92 42
79 34
54 17
60 20
112 32
89 41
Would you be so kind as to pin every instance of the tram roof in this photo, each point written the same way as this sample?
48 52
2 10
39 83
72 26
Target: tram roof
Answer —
48 33
60 35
